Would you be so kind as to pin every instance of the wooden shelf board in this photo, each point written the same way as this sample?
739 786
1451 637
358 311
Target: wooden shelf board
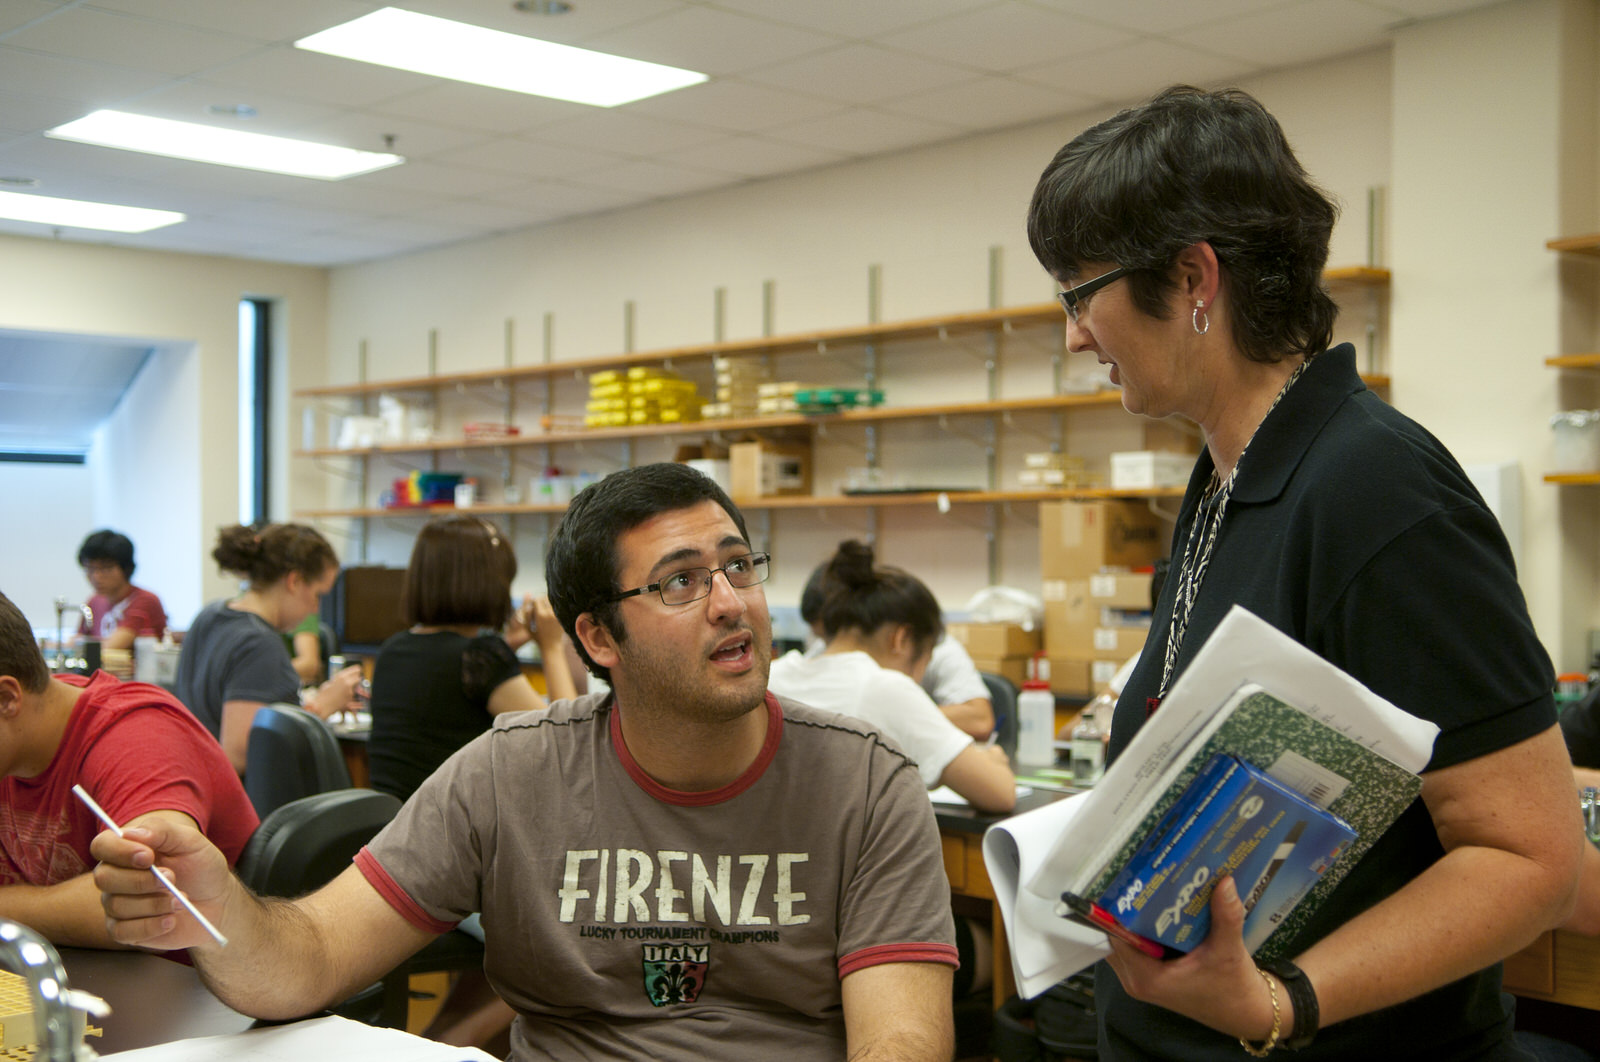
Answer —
1032 315
1574 361
1589 244
838 501
1573 479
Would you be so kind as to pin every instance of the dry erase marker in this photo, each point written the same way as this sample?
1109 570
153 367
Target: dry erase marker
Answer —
100 813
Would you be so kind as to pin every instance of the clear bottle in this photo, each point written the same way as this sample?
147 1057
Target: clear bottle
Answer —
1036 718
1088 755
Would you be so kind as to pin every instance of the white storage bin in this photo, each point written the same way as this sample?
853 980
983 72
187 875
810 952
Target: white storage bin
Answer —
1133 469
1576 441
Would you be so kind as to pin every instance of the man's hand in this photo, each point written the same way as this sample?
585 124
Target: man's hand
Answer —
1216 984
138 910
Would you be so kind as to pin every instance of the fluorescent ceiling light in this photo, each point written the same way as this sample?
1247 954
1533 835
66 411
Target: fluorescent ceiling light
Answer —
225 147
439 47
81 214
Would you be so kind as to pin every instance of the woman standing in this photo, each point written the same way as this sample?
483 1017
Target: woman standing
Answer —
232 661
440 684
1190 244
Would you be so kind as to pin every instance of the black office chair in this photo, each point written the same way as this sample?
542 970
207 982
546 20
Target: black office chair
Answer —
291 754
306 843
1003 695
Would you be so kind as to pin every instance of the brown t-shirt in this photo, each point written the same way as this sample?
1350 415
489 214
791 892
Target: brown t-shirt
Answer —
623 919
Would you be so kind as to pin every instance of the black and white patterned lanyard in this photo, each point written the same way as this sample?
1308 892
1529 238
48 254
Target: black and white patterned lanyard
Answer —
1197 549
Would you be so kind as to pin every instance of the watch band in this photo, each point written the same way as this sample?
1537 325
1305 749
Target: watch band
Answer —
1304 999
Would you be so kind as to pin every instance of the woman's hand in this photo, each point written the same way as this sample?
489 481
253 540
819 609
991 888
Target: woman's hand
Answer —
1216 984
336 694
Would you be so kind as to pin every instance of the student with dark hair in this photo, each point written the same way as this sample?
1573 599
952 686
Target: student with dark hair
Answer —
950 678
685 867
232 661
131 746
1189 243
120 611
441 683
879 626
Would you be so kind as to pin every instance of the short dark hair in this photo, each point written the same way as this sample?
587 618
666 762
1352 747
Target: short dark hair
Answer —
580 567
19 653
108 545
1192 166
864 596
460 573
267 554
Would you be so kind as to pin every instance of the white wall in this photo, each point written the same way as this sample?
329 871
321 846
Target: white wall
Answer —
168 299
145 462
48 510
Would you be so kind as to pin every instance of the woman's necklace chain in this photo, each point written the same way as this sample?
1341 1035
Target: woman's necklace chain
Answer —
1202 540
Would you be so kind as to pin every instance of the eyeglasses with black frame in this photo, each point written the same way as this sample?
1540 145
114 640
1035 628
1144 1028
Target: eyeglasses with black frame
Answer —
691 584
1072 299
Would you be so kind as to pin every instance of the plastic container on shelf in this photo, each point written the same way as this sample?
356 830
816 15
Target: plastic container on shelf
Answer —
1576 440
1036 717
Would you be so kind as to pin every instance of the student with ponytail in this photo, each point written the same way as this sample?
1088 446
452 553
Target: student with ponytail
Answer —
232 662
880 625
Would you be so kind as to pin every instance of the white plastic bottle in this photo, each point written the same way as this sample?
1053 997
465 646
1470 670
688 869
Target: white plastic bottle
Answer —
1036 718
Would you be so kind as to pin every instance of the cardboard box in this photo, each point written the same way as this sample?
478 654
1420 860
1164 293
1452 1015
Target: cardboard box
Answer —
1116 643
991 640
1014 668
1075 676
1080 538
1129 590
768 467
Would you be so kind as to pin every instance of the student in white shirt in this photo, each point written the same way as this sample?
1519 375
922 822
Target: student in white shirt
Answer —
880 625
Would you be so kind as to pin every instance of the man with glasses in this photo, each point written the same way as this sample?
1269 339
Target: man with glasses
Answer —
121 611
684 867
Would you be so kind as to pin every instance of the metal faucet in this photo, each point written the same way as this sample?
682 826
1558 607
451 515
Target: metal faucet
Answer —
58 1011
64 662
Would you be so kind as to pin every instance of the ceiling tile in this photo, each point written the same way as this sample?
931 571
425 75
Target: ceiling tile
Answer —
711 41
754 156
583 22
23 113
108 37
734 105
16 13
855 18
528 158
434 179
553 199
478 107
93 85
989 103
280 20
190 101
860 131
286 71
1122 73
657 179
1004 37
1292 33
625 134
861 73
1157 17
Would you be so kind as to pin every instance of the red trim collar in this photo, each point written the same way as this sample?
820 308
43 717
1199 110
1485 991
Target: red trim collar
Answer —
769 749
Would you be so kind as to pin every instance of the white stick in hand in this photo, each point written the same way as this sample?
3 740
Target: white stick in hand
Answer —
100 813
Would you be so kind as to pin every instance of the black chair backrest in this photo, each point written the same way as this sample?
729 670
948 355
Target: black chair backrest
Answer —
304 844
1003 695
291 754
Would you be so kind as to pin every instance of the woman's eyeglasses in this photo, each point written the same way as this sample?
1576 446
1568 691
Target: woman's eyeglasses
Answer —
1072 299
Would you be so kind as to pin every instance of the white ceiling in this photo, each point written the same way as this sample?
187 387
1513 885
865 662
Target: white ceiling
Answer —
795 84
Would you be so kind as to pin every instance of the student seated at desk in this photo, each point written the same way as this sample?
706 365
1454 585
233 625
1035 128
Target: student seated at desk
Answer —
120 611
686 867
232 661
441 683
951 678
134 748
880 625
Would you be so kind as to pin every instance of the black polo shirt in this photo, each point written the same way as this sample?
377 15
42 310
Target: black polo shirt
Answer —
1354 531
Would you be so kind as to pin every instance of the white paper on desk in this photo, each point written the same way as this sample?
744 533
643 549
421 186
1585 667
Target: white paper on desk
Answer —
330 1037
1243 648
1044 947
